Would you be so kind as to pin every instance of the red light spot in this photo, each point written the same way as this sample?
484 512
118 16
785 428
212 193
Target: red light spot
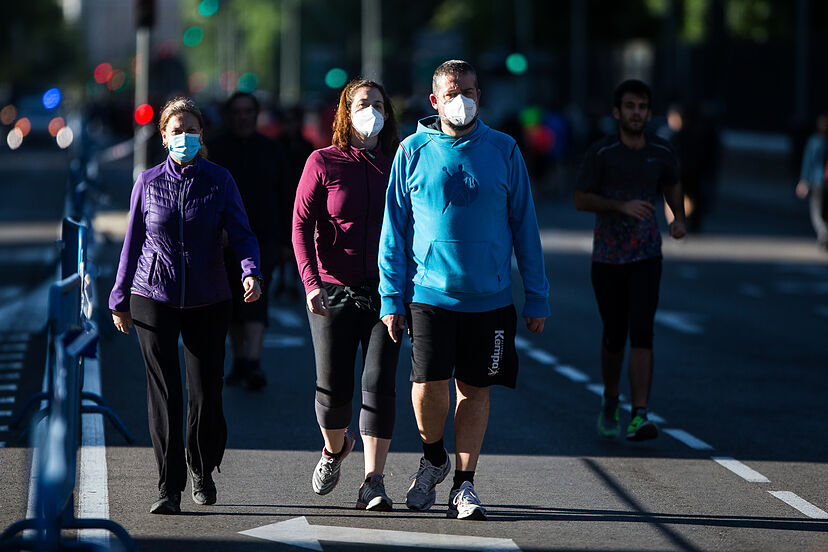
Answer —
143 114
55 125
103 73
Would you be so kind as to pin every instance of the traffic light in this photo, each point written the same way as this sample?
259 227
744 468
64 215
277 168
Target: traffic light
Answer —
145 13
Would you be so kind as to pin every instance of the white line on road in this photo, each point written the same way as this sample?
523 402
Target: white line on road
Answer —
650 414
5 413
687 439
2 444
542 356
791 499
746 473
6 400
13 347
10 366
9 376
8 387
11 356
286 317
684 322
572 373
279 341
93 494
4 428
596 388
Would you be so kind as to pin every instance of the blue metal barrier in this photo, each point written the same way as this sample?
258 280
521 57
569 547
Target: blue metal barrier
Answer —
71 336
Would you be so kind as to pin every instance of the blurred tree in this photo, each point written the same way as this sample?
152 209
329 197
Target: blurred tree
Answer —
36 47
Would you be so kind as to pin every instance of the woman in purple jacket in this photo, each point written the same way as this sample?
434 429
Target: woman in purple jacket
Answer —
339 202
171 282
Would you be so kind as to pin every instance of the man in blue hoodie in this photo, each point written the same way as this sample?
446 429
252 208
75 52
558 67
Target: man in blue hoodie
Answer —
458 203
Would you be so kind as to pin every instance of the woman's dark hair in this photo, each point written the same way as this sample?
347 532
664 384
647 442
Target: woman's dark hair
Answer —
389 135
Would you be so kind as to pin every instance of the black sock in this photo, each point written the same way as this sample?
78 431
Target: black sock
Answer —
640 411
341 451
435 452
461 476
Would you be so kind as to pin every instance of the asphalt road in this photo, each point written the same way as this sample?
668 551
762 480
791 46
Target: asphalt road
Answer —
739 386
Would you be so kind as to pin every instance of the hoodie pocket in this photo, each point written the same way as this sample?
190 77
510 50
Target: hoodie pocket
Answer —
461 267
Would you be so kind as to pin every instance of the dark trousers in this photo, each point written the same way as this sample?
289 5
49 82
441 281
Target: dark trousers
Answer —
203 331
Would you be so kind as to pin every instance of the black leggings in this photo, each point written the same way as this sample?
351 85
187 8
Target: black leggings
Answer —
335 341
203 331
627 296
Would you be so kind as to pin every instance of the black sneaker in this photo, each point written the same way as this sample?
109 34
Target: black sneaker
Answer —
204 489
238 374
167 503
256 379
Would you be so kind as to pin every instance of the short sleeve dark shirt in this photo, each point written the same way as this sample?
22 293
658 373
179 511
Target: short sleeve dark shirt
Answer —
612 170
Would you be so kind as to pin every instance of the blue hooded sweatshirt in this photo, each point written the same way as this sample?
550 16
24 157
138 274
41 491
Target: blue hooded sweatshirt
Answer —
455 209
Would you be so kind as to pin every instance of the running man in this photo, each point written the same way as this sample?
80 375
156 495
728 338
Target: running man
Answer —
620 180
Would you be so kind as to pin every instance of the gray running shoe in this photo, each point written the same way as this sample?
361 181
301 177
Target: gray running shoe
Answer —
465 504
326 474
372 495
203 488
421 495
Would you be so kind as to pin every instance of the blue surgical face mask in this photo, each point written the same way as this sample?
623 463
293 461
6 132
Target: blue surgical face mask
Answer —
183 147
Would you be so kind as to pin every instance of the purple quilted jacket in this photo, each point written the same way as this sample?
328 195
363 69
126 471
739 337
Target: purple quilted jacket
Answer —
172 250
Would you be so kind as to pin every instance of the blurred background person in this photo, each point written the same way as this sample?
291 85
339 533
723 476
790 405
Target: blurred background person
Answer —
812 178
171 283
337 220
257 165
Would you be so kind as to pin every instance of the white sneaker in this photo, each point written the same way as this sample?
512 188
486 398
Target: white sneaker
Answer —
422 494
465 504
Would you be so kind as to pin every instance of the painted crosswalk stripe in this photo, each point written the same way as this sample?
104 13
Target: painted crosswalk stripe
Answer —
12 347
7 357
2 444
10 366
542 356
5 413
286 317
791 499
9 376
572 373
6 400
687 439
4 428
652 416
743 471
8 387
596 388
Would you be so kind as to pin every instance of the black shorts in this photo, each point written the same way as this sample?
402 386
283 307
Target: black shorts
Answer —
477 347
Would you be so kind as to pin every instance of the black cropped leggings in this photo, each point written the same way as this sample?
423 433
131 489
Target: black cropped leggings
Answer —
627 296
203 331
336 338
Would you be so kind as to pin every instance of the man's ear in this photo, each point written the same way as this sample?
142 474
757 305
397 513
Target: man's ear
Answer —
433 100
616 113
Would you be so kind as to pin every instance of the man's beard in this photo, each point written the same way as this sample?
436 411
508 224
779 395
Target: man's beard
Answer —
627 127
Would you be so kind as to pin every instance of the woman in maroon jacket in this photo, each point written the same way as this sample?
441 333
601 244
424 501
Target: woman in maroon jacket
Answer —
339 202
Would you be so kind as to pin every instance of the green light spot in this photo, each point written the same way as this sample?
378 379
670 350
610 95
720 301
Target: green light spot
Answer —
516 63
248 82
208 8
531 116
336 78
193 36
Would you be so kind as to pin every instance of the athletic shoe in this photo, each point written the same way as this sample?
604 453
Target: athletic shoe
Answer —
167 503
238 374
641 429
465 504
203 488
326 474
422 494
372 495
608 420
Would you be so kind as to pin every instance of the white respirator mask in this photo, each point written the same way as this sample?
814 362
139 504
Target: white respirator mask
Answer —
368 121
460 110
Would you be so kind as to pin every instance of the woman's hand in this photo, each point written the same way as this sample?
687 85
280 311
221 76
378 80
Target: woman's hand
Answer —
122 321
318 301
252 289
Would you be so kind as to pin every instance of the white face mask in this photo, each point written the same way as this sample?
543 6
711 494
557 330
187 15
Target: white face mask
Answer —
460 110
368 121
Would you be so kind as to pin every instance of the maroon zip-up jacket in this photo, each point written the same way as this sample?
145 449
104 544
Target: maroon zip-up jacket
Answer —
340 199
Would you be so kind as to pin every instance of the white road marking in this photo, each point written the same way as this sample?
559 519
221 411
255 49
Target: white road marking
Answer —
687 439
286 317
522 344
6 357
92 491
299 533
542 356
9 376
650 414
684 322
279 341
6 400
13 347
10 366
572 373
791 499
5 413
8 387
4 428
2 444
743 471
751 290
596 388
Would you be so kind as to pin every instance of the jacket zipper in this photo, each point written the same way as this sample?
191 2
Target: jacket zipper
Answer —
181 238
367 219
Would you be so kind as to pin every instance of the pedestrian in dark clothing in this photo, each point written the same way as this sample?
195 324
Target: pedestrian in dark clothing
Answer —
257 165
171 284
812 179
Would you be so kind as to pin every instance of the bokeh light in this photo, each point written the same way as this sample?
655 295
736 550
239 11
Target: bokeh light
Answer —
208 8
228 81
516 63
531 115
24 125
143 114
14 138
168 48
248 82
117 81
51 98
197 82
336 78
65 137
55 125
8 114
103 73
193 36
